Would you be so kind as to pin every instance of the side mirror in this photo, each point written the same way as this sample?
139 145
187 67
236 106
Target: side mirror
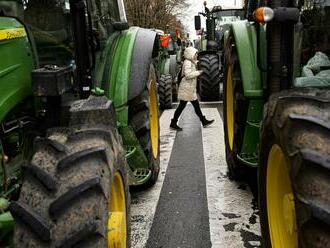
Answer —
120 26
198 25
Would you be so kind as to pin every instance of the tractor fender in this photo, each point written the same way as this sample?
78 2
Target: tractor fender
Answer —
128 55
203 43
202 53
169 66
165 66
117 73
245 37
143 52
173 66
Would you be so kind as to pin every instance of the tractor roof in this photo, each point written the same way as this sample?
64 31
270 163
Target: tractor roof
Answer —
224 8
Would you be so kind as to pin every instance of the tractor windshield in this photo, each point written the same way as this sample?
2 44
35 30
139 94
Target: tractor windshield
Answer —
50 27
316 31
229 15
48 24
225 17
312 45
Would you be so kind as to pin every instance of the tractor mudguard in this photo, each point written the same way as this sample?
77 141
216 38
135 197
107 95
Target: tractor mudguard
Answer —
165 66
246 44
140 64
128 60
203 44
173 66
206 52
125 64
119 60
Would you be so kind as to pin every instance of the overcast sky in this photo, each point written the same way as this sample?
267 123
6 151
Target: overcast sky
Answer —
197 6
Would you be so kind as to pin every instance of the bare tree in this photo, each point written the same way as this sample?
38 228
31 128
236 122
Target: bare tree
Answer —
156 13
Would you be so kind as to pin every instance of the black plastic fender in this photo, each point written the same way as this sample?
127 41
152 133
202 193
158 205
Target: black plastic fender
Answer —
173 66
145 49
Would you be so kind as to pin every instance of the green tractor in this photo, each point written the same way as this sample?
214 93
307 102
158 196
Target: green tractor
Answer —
210 46
276 116
79 122
169 62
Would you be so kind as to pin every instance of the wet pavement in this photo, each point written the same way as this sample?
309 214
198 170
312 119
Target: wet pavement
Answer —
194 203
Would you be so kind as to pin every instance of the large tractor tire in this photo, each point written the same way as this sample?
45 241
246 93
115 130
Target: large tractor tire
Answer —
209 81
235 114
74 192
144 118
294 179
165 91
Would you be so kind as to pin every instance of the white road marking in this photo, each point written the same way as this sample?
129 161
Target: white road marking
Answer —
144 203
231 214
215 103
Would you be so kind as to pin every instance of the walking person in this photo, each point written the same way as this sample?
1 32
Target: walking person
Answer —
187 89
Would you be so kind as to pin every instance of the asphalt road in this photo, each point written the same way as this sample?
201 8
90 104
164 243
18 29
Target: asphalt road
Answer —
194 203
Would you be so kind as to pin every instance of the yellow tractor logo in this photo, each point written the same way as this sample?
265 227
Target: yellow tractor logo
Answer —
9 34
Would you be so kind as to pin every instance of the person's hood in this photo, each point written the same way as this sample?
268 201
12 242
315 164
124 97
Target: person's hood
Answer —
189 53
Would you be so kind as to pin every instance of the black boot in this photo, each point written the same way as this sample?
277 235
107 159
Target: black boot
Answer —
175 126
206 122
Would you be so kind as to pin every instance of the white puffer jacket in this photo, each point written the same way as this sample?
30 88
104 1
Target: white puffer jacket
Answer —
187 89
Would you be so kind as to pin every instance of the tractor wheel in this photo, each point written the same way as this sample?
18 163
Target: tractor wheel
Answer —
74 192
209 81
294 179
165 91
235 114
144 118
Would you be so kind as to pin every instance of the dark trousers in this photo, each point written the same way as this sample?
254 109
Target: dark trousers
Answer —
181 107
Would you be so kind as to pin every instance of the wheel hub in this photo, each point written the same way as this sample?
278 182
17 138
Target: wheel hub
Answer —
289 213
116 230
230 107
153 118
117 226
280 201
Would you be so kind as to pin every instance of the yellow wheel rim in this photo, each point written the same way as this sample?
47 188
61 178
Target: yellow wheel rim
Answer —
230 108
153 119
117 230
280 201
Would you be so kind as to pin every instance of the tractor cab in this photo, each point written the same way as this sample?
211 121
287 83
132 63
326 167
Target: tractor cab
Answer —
47 24
217 21
223 17
53 16
66 33
312 46
306 63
